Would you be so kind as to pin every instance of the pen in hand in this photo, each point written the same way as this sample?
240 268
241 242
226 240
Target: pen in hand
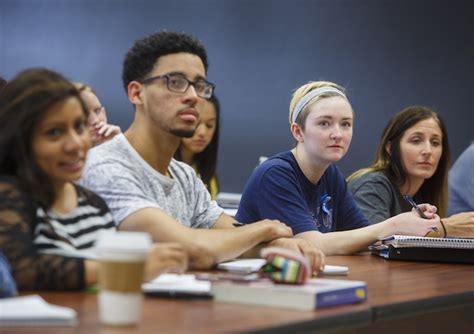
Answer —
417 209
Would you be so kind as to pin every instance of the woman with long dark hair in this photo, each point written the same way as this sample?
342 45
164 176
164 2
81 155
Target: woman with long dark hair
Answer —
200 151
48 224
413 158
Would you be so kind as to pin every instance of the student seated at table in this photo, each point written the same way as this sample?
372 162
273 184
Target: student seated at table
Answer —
164 76
304 188
200 151
47 223
99 129
412 158
461 183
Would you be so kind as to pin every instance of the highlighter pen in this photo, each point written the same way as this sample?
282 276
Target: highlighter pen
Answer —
417 209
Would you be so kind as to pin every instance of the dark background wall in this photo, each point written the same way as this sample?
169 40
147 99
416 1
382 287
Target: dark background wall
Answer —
388 54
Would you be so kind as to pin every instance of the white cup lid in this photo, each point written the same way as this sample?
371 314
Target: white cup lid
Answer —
126 242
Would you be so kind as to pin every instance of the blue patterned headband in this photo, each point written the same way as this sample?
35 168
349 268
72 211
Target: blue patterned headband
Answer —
309 96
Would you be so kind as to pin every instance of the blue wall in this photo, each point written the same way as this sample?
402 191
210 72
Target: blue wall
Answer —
388 54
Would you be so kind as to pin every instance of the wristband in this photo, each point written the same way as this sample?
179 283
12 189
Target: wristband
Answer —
444 229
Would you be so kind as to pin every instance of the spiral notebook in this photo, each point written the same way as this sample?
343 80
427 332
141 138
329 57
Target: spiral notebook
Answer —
402 247
410 241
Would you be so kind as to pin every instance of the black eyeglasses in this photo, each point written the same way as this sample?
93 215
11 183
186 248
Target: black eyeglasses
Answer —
179 84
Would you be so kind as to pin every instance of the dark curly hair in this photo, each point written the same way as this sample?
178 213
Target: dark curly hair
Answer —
143 55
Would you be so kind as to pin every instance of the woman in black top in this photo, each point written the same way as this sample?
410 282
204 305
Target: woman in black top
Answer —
47 223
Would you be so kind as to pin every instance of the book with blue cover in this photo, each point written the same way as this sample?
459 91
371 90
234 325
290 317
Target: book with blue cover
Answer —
316 293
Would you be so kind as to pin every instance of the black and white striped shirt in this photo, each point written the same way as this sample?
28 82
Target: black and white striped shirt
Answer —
36 251
74 232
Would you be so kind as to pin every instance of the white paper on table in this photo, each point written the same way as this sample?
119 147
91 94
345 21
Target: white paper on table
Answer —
244 266
34 311
175 284
330 270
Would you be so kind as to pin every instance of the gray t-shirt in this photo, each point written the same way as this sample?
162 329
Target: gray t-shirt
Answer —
377 197
116 172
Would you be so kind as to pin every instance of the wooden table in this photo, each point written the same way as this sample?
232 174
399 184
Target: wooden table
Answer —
404 297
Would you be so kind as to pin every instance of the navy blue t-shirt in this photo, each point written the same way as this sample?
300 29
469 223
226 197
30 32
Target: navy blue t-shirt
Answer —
278 189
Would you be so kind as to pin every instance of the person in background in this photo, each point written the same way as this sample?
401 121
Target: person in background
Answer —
7 282
164 75
200 151
100 130
412 158
48 224
461 183
304 188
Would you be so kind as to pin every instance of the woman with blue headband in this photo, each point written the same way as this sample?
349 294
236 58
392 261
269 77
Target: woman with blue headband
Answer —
304 189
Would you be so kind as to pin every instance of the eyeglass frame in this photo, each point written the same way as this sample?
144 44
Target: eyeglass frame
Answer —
190 83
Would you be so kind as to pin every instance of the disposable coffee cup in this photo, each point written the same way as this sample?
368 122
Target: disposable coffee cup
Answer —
122 257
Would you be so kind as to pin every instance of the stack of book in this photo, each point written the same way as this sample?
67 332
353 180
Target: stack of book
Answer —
316 293
403 247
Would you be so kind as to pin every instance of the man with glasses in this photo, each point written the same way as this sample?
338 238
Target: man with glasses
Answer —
164 76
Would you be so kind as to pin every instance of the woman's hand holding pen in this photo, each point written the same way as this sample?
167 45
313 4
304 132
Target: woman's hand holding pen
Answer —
428 210
410 223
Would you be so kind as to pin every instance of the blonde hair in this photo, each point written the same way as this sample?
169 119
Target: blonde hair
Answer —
82 87
305 89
